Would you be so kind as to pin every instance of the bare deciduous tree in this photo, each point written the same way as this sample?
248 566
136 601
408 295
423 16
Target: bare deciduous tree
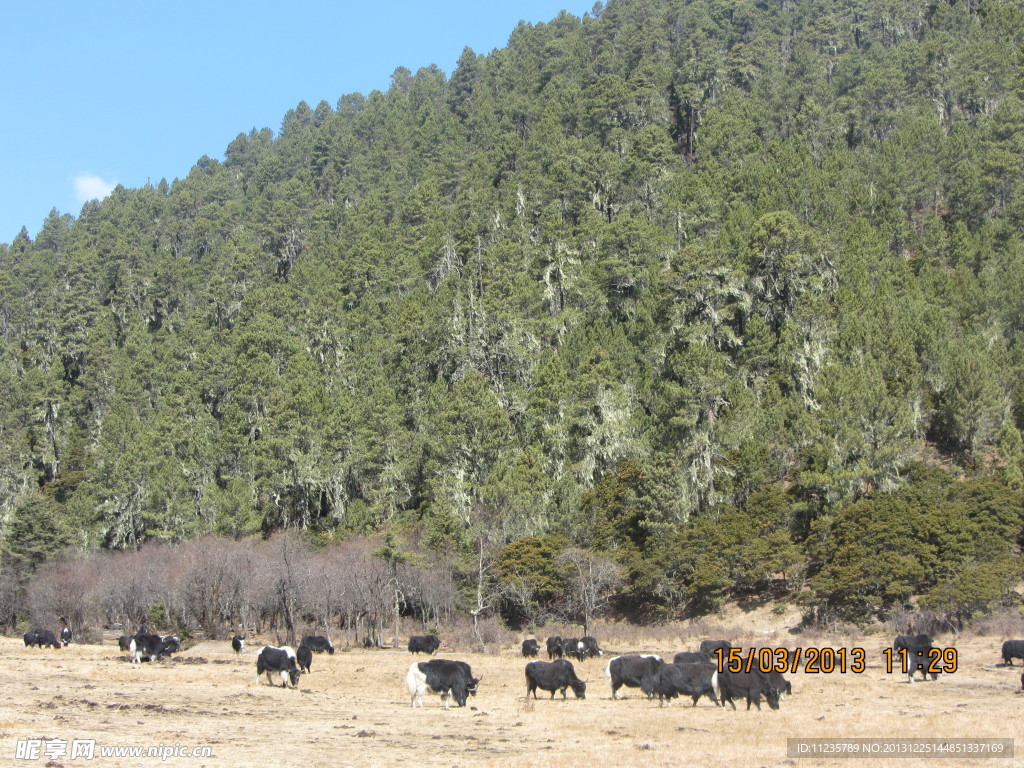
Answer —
66 588
372 594
212 583
592 579
282 583
429 590
326 587
126 588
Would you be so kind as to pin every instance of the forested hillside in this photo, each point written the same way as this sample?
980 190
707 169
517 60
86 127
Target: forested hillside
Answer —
725 296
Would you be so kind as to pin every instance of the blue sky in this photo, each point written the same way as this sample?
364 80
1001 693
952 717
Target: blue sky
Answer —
102 93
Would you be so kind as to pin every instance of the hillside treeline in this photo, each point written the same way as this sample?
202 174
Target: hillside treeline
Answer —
727 294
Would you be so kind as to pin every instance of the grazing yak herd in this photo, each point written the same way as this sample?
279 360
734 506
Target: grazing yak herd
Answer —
695 674
692 674
44 638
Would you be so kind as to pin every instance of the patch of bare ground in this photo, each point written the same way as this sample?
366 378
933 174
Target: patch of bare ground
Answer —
353 710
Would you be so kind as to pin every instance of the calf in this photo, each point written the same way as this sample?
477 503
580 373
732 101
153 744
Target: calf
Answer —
427 644
693 679
449 679
531 648
169 644
553 676
124 641
65 636
238 643
1013 649
630 671
555 650
318 644
149 647
750 685
304 657
280 661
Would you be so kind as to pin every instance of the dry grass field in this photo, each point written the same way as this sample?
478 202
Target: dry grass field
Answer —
353 710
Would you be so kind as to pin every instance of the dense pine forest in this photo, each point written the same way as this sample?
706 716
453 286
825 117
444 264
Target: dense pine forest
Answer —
680 303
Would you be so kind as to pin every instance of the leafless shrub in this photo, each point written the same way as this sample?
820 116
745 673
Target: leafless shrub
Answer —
706 628
1004 623
213 583
325 587
261 603
624 636
906 622
593 579
461 635
813 633
847 633
900 621
126 587
429 589
66 588
244 563
373 591
89 635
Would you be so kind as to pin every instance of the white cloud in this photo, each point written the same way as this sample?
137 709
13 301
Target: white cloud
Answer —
92 187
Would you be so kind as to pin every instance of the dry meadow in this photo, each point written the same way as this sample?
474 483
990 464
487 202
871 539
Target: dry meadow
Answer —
353 710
